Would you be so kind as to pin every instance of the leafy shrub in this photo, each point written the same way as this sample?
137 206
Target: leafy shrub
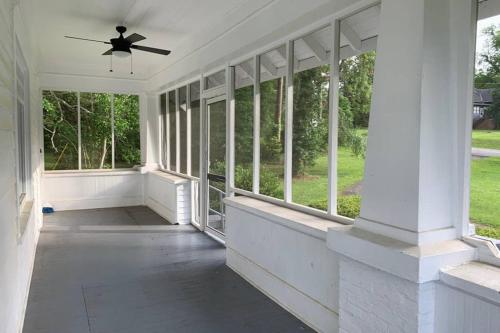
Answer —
348 206
270 185
488 232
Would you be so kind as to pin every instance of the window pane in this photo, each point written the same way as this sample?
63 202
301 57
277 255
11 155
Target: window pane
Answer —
217 163
95 113
172 130
195 128
60 130
21 132
356 80
127 137
243 125
272 115
485 165
183 128
163 119
217 137
311 84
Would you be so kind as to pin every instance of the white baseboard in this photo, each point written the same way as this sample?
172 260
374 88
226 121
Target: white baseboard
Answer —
74 204
36 227
310 311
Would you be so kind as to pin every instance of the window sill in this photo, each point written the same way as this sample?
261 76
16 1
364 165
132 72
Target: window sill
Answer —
308 224
24 215
487 248
171 178
87 173
475 278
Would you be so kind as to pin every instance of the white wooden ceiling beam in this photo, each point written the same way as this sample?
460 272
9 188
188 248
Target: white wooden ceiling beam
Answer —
282 52
352 36
268 65
315 46
247 68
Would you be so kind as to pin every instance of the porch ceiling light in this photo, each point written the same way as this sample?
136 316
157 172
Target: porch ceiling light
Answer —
122 53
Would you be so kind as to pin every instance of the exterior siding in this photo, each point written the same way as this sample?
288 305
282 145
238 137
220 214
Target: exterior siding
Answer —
17 243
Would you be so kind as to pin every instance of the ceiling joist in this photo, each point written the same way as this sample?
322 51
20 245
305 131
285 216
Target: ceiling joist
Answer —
268 65
352 36
315 46
247 68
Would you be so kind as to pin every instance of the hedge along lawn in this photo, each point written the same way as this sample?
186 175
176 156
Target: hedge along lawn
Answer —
485 196
311 189
486 139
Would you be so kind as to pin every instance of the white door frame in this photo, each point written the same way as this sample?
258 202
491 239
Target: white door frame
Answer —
208 97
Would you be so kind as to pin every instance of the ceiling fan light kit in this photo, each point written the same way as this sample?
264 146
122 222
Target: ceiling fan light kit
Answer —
121 46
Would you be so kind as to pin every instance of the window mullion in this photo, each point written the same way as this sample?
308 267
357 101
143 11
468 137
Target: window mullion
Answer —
287 185
230 109
79 131
112 131
177 133
167 128
333 119
188 130
256 125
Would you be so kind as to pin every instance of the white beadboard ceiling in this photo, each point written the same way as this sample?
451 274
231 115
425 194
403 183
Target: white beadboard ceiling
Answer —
165 23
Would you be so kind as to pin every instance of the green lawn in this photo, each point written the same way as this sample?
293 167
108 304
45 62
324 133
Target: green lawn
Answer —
484 192
313 187
485 195
486 139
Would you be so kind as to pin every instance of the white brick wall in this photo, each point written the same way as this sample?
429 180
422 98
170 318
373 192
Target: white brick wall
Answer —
371 300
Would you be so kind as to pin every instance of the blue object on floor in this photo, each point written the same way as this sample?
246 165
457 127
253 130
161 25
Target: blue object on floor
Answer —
47 210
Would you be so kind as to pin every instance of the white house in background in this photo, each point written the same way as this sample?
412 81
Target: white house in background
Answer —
408 263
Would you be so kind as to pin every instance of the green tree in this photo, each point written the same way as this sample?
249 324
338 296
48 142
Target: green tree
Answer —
310 117
356 81
488 77
60 122
60 114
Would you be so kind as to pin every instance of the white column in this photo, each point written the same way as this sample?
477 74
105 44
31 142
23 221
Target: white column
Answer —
412 167
413 193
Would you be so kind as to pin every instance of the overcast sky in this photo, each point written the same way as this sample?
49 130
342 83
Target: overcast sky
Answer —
481 39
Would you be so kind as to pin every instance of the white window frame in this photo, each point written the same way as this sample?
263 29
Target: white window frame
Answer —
22 126
334 61
334 57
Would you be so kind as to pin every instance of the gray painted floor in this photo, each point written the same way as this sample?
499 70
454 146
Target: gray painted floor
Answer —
125 270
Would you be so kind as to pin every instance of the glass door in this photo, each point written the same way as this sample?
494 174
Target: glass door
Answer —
216 158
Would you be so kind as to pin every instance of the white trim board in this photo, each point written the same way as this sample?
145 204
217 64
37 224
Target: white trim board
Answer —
314 314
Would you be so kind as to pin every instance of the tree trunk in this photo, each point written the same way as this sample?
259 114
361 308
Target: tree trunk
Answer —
104 153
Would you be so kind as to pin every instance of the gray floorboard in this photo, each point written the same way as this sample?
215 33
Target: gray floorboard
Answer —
104 271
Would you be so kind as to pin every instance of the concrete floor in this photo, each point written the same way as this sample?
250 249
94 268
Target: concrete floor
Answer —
125 270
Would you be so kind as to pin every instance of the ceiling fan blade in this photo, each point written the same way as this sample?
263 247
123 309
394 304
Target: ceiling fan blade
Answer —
150 49
134 38
90 40
108 52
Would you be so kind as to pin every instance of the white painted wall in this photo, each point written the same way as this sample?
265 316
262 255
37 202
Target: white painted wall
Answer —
275 250
169 196
17 244
86 190
459 310
91 84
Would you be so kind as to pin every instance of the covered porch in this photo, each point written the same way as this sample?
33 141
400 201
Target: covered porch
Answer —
246 166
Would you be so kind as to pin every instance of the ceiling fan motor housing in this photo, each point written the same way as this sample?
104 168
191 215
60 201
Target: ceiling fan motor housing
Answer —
121 29
120 43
